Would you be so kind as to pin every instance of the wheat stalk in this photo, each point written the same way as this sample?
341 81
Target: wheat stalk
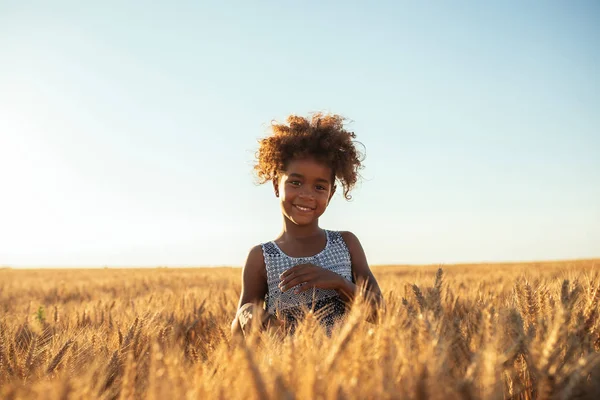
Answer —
59 356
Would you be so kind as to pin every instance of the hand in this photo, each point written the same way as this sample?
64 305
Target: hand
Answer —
310 276
249 312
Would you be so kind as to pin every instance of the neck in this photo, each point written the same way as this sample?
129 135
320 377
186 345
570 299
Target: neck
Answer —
292 230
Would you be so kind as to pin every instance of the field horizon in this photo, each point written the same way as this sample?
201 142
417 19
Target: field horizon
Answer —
381 265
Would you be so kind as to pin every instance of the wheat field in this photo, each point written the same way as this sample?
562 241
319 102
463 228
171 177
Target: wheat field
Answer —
486 331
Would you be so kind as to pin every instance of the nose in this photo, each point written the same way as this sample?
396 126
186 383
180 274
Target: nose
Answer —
306 193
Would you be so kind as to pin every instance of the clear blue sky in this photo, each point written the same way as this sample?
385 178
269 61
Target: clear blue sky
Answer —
127 132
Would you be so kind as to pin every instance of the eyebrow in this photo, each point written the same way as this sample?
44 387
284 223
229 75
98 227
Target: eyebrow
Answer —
296 175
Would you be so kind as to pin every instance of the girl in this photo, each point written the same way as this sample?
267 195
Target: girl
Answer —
305 267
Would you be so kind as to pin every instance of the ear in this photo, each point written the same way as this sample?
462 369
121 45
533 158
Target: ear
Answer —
276 186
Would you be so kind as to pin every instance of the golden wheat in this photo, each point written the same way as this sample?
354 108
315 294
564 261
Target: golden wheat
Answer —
519 331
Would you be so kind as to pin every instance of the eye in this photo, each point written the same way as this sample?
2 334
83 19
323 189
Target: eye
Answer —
320 187
295 183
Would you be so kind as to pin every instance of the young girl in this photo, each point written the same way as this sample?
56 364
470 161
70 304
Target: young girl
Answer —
305 267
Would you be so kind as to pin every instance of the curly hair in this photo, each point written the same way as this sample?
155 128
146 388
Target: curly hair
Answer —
322 137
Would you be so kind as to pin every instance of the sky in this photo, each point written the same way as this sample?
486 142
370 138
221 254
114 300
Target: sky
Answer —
128 129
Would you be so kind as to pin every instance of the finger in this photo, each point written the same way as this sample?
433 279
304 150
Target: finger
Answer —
291 283
294 278
296 269
291 272
288 284
294 275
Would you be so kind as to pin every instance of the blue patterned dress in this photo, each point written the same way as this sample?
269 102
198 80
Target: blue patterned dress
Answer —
325 303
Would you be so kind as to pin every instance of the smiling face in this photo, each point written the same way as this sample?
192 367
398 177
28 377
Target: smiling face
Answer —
305 189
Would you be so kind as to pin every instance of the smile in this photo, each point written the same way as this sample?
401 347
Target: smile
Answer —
305 209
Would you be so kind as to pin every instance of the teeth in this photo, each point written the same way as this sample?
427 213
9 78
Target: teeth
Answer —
303 208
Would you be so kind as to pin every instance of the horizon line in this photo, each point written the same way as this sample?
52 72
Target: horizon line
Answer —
181 266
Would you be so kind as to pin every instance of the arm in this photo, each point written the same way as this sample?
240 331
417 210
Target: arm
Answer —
362 274
254 287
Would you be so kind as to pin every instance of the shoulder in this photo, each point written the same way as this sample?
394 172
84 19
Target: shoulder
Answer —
255 261
255 255
256 251
351 240
360 265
